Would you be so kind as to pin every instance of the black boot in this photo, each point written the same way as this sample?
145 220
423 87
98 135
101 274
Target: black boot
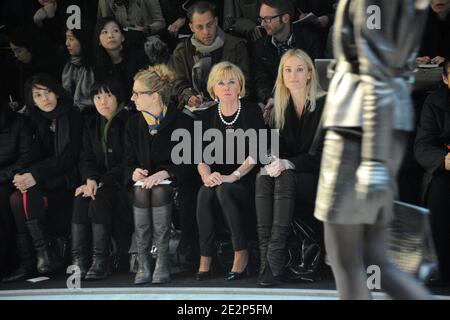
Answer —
27 264
80 247
162 219
47 261
264 233
101 239
143 236
276 255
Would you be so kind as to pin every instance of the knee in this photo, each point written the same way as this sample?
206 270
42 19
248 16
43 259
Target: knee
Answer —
141 197
285 183
223 192
204 193
15 199
263 185
161 195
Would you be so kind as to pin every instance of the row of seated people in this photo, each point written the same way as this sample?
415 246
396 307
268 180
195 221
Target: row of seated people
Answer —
39 175
117 149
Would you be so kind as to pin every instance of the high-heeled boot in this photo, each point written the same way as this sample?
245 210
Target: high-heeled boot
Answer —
143 236
162 219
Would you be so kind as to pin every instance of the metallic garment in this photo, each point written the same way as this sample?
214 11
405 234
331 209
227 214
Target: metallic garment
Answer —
370 94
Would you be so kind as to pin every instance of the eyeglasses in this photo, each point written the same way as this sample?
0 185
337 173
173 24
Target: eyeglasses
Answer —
268 19
140 93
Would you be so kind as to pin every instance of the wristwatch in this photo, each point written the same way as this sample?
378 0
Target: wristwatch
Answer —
237 174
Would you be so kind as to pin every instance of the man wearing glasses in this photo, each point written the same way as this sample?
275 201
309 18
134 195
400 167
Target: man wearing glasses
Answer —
276 16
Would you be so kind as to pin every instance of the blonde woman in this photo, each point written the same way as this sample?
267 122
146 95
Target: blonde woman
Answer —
148 162
292 177
228 182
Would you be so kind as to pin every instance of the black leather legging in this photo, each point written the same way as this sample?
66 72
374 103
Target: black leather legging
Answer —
232 198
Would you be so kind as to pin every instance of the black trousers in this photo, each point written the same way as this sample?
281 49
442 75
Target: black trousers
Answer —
438 202
51 206
233 199
6 228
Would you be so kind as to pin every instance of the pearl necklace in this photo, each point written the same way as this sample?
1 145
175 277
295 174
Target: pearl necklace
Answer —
229 124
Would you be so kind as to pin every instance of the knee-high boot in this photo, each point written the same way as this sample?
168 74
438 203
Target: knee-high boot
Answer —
47 261
80 247
162 218
101 240
276 255
27 263
143 234
264 233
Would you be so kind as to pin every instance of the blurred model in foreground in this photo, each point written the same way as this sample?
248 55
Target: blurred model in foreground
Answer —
368 117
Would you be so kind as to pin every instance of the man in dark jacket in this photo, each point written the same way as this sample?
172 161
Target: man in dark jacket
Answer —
193 58
275 17
432 151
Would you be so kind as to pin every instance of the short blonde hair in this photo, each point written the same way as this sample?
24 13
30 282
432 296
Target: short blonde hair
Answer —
225 70
282 93
157 78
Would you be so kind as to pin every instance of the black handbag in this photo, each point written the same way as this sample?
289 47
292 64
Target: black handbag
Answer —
410 246
304 254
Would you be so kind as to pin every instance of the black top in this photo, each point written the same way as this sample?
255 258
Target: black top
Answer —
54 156
15 144
249 118
97 163
435 41
297 136
153 152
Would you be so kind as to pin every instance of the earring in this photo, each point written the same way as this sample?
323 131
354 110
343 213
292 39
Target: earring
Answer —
216 99
239 97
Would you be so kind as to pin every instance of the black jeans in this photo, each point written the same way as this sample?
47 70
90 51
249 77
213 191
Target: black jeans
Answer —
232 198
438 202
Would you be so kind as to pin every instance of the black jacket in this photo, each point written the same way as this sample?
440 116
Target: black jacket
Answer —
15 144
153 153
54 156
297 137
266 58
95 163
433 134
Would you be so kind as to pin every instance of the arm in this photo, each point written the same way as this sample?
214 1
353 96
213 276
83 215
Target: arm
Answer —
89 168
182 85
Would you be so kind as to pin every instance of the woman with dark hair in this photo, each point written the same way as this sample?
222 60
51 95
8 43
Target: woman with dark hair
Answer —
32 57
77 75
150 170
289 183
97 199
113 57
15 143
432 151
45 187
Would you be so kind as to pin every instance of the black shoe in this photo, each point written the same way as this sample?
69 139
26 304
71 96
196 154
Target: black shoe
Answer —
267 279
203 275
27 266
231 276
101 264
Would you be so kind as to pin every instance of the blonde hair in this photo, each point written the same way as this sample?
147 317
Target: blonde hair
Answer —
157 78
225 70
282 93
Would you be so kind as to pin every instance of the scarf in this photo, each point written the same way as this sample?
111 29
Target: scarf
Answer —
153 122
283 46
78 80
217 43
104 127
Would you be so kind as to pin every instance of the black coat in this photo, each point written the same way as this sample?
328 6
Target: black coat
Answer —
153 153
266 58
433 135
297 137
15 144
94 163
54 157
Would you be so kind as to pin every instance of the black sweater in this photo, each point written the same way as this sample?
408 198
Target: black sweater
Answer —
153 152
95 163
297 136
15 144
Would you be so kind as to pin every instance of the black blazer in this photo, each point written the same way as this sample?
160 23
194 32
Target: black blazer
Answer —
15 144
95 163
297 137
54 158
153 153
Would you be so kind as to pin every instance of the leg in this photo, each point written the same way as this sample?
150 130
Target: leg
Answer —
398 285
6 228
162 197
143 233
232 197
344 245
206 228
81 234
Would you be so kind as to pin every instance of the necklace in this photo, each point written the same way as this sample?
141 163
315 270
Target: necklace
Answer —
229 125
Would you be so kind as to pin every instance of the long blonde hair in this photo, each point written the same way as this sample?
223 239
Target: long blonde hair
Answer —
157 78
282 93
